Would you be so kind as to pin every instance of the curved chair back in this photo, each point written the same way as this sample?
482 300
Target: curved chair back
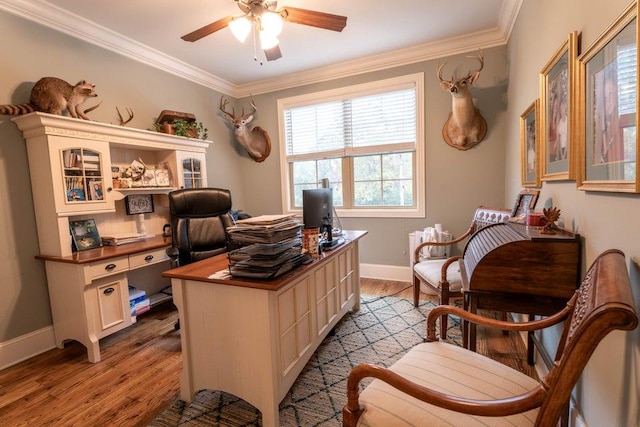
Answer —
199 219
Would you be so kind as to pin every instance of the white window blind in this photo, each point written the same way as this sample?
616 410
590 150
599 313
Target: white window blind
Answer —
382 122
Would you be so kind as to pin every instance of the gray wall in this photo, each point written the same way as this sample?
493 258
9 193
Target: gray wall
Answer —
30 52
608 393
456 181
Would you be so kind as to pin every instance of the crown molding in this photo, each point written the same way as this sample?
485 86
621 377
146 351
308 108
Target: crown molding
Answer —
51 16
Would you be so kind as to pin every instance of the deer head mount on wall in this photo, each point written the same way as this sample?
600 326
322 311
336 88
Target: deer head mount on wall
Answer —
256 141
465 126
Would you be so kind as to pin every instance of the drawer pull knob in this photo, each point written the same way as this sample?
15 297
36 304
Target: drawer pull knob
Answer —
110 267
148 258
108 291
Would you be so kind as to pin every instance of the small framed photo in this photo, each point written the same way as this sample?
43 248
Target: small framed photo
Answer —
163 177
558 112
149 177
95 189
529 146
526 198
84 235
139 204
608 77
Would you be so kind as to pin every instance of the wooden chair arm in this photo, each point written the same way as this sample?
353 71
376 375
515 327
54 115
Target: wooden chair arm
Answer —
440 310
499 407
445 267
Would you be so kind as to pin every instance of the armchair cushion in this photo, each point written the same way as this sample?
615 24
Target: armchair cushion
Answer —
438 365
431 270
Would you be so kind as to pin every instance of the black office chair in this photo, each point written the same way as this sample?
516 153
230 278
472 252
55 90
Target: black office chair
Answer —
199 219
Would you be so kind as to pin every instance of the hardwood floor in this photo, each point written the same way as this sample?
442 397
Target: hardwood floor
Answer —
139 374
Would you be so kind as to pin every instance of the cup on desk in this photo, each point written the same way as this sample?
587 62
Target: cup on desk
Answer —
311 240
535 219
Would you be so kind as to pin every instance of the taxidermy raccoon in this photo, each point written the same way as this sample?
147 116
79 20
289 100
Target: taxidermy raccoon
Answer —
53 95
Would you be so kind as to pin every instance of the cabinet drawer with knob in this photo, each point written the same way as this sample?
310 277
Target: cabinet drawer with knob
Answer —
105 268
147 258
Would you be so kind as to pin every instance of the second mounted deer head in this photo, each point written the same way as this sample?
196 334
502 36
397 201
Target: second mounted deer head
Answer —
465 126
256 141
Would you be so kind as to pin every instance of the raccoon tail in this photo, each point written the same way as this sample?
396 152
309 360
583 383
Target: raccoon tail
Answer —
16 110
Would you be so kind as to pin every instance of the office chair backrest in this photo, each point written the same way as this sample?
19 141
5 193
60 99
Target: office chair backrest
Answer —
199 219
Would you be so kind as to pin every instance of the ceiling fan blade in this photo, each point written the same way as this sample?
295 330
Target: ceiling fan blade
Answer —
273 53
323 20
207 29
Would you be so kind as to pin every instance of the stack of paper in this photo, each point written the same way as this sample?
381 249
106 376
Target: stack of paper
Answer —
264 247
138 301
122 238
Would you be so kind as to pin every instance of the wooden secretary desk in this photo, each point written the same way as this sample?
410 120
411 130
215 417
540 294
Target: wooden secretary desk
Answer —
512 268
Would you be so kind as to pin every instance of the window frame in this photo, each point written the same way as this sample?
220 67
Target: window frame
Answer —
395 83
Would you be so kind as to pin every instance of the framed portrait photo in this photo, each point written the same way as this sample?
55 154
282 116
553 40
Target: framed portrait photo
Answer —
558 111
608 75
529 146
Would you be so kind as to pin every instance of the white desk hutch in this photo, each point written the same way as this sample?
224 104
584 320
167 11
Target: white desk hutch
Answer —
88 289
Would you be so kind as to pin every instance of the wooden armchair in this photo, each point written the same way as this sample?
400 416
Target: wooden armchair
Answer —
442 276
437 383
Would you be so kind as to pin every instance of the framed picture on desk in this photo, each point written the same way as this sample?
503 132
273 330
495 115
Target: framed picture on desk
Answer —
526 198
84 235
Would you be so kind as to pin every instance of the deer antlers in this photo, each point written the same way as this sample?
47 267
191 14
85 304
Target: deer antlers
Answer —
232 116
479 57
123 121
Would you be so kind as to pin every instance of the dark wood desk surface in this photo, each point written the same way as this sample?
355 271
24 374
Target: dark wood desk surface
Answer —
106 252
202 271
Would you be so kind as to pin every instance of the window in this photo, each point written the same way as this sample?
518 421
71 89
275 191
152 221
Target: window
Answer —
367 140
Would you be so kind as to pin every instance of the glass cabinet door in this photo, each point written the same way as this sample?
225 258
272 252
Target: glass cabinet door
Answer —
192 173
82 173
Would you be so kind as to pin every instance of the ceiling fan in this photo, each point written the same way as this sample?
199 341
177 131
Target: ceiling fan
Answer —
264 17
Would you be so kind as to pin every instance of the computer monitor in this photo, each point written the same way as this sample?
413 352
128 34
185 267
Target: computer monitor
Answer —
317 211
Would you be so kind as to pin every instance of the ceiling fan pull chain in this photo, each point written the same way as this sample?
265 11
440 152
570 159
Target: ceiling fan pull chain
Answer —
255 51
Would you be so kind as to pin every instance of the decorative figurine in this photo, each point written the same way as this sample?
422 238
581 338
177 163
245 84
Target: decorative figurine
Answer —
551 215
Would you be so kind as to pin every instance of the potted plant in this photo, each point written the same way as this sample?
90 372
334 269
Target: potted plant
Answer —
181 127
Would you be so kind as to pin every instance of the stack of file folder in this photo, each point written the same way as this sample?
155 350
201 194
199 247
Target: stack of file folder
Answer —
264 247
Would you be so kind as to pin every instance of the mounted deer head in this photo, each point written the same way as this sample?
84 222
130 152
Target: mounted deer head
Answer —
256 141
465 126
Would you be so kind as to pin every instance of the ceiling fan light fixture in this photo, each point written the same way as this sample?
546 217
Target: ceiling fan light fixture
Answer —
267 41
271 23
240 27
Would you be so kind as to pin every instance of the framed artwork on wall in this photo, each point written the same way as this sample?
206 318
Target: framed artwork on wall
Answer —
529 146
558 112
138 203
608 78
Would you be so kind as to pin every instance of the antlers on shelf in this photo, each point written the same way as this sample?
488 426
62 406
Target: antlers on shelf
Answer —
123 121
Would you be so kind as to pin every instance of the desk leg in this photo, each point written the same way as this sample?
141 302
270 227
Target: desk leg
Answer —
465 323
473 308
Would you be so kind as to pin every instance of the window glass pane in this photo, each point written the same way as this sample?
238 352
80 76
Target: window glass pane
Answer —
368 194
397 166
305 172
397 193
367 168
332 170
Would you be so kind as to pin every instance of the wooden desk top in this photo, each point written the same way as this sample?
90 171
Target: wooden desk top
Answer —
202 271
106 252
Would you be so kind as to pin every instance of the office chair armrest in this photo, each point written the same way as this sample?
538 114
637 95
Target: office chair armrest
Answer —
173 253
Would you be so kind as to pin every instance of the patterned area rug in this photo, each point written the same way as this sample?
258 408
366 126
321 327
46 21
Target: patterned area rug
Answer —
380 333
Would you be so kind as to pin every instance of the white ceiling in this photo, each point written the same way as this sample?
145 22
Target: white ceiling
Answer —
379 34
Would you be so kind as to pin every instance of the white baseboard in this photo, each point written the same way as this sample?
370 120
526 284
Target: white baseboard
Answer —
26 346
386 272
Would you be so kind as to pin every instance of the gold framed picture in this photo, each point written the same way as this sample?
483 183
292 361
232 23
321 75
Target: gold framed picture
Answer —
608 77
558 112
529 146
